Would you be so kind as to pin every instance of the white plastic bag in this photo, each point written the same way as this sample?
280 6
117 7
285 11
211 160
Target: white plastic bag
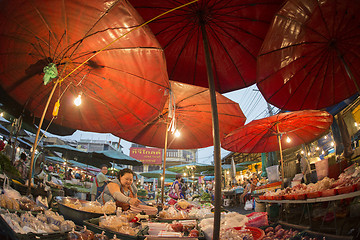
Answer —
248 205
10 192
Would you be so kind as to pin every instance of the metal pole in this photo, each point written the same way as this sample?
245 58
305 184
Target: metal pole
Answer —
164 163
281 156
216 136
37 135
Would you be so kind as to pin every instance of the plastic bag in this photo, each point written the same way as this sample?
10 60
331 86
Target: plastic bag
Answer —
10 192
248 205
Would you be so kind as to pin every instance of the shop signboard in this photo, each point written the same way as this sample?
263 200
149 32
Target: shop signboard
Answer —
148 156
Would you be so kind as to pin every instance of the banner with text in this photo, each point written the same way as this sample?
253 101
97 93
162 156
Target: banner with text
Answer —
148 156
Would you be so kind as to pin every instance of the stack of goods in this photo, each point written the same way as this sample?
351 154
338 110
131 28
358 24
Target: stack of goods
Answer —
22 203
228 220
93 206
86 234
347 182
42 223
186 210
144 209
175 229
279 233
121 224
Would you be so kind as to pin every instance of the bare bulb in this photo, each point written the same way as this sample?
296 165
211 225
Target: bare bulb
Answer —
177 133
288 139
77 100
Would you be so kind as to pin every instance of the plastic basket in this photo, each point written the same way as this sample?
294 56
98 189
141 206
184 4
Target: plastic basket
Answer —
289 197
328 192
257 219
346 189
313 195
256 233
262 197
301 196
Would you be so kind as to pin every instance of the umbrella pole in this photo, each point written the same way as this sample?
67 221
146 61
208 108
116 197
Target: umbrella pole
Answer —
164 164
216 135
281 156
37 135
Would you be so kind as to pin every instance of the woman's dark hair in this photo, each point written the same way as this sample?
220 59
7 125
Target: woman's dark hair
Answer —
23 156
103 165
125 170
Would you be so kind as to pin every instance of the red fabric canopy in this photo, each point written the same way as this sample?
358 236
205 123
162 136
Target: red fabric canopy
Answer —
311 50
193 120
235 30
122 87
261 135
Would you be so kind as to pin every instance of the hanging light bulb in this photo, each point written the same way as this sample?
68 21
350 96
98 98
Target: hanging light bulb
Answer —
1 114
309 153
177 133
322 152
325 137
288 139
302 152
77 100
332 144
317 148
356 124
184 174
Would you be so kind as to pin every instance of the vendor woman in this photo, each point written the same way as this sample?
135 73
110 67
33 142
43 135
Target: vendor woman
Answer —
121 190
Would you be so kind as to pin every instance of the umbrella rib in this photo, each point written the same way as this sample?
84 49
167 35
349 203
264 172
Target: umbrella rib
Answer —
99 19
307 74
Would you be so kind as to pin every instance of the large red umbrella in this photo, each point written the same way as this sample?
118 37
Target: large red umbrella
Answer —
235 32
121 87
310 58
121 80
278 132
192 116
213 44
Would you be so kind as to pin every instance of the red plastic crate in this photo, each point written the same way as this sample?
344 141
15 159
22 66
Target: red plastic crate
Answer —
313 195
289 197
277 197
346 189
328 192
301 196
262 197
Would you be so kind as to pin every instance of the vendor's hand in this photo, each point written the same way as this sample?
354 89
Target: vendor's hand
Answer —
134 201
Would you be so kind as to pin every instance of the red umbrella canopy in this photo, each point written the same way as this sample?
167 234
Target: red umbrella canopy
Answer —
193 120
261 135
311 50
235 30
121 87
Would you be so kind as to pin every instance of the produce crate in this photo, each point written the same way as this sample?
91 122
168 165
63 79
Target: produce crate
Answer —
320 236
328 192
93 225
313 195
31 236
289 197
301 196
346 189
262 197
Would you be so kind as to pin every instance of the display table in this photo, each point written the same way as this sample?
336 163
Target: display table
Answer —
231 196
307 202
